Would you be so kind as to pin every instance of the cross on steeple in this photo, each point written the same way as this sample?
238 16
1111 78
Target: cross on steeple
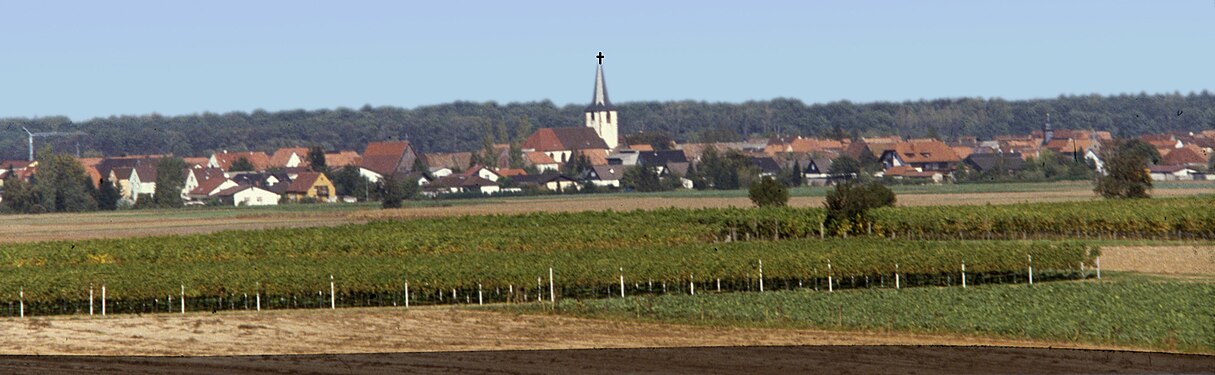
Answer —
600 57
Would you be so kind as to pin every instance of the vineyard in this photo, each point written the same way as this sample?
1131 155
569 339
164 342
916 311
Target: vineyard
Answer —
507 258
1167 315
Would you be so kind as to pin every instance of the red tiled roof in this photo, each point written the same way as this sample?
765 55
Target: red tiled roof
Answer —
342 159
1187 155
303 182
561 139
283 155
539 158
207 184
384 157
225 159
511 172
449 160
923 151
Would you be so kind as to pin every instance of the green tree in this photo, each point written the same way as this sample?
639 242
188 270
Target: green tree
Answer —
108 195
1126 171
19 196
848 205
845 166
397 189
642 179
241 165
61 184
316 159
170 180
768 193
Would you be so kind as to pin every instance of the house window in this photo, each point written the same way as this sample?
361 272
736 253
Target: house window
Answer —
322 191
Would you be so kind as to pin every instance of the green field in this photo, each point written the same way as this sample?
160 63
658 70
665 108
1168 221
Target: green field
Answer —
1122 310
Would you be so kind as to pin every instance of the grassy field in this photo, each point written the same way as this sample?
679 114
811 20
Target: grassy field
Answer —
1124 309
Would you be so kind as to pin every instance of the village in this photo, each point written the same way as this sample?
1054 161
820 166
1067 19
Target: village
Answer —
595 157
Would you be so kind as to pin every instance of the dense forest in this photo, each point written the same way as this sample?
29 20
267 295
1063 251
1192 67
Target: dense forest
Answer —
462 126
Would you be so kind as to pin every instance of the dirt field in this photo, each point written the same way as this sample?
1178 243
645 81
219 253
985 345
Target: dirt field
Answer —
29 228
1162 260
698 361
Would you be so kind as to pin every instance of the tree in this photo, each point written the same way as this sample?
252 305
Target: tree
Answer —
347 181
845 166
1126 171
19 196
241 165
768 193
108 195
170 180
641 178
316 160
61 185
848 205
793 177
397 189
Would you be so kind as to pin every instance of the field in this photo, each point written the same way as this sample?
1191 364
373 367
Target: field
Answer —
452 260
31 228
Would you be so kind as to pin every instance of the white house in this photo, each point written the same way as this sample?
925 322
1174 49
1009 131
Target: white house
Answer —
248 195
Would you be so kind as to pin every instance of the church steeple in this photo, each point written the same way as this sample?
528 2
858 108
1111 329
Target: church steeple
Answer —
600 100
1048 133
601 114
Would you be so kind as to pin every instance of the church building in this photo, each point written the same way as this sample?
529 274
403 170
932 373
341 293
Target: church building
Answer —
596 139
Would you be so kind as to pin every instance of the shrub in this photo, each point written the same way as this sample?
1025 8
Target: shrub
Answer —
769 193
849 203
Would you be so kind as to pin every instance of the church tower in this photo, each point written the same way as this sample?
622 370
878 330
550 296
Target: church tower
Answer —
1048 133
601 114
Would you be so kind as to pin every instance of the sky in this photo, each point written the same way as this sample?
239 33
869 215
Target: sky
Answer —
85 59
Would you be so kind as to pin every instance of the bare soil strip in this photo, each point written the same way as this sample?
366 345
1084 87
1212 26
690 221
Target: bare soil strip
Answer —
429 329
697 361
1161 260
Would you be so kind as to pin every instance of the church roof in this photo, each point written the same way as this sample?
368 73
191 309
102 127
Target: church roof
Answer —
600 102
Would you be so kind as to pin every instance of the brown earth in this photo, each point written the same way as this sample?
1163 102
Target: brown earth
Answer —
697 361
1161 260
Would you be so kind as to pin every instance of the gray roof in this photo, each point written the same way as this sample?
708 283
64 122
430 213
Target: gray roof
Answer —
1012 161
608 172
600 102
766 164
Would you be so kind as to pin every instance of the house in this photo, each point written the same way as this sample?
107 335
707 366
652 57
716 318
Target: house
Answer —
123 178
210 185
628 158
439 172
195 176
542 161
560 144
768 167
1010 162
1188 156
247 195
290 157
1171 173
482 172
341 159
923 155
605 175
461 183
665 162
511 172
224 160
550 180
387 158
313 185
816 172
906 172
455 161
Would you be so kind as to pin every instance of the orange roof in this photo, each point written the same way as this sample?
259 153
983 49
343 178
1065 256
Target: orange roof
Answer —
642 147
908 171
537 157
810 145
200 161
962 151
1067 146
342 159
449 160
259 159
94 175
511 172
384 157
925 152
207 184
597 157
283 155
1187 155
560 139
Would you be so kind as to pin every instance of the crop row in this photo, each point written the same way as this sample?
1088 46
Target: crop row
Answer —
282 270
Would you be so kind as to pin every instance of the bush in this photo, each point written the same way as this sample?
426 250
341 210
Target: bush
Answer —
1126 175
848 205
769 193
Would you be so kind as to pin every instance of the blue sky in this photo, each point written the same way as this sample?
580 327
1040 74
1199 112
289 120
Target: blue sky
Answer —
91 58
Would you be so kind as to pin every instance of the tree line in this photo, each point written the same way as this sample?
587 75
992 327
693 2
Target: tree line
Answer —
465 126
